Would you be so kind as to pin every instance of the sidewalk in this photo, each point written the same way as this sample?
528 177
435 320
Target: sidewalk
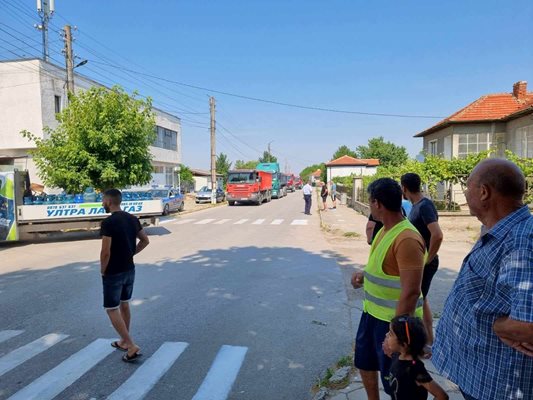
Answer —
344 229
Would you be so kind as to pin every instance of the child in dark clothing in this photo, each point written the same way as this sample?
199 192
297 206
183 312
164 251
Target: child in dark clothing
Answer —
409 379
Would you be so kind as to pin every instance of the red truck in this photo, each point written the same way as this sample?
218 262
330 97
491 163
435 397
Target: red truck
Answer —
249 186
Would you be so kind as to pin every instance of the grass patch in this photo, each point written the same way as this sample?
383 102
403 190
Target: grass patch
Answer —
346 361
351 234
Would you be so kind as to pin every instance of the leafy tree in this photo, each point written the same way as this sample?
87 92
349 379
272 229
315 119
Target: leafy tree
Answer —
102 140
241 164
186 176
387 152
344 151
222 166
267 158
306 172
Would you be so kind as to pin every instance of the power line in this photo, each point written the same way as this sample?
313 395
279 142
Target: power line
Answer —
279 103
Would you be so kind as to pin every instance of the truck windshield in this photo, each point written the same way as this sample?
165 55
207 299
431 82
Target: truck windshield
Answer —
242 177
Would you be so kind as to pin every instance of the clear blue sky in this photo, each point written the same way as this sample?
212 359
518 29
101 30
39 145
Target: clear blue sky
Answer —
410 57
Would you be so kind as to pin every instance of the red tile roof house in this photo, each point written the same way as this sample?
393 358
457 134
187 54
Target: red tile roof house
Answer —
346 166
501 120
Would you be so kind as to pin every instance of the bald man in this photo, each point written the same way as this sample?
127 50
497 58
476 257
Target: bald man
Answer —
484 340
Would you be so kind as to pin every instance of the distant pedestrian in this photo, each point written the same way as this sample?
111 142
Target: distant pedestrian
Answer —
425 218
120 232
408 378
484 339
333 193
391 282
307 192
324 195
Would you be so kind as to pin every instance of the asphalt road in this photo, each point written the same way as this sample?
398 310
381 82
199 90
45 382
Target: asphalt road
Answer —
240 302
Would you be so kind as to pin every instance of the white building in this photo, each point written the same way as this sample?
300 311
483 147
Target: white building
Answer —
32 91
346 166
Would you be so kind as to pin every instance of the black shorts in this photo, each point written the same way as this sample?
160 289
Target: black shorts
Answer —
429 272
118 288
369 355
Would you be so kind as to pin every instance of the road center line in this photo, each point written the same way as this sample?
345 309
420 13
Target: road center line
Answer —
184 221
222 221
299 222
277 222
258 222
241 221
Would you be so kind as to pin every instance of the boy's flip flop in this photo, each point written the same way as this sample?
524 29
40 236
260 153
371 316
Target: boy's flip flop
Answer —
128 359
116 345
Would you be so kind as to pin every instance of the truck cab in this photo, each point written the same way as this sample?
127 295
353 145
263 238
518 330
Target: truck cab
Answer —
273 168
248 186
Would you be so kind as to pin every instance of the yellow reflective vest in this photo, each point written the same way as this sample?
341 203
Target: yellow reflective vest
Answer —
382 291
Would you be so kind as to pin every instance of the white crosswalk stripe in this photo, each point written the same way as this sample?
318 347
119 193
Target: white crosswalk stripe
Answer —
277 222
184 221
222 221
222 374
258 222
65 374
216 385
24 353
299 222
241 221
6 335
147 375
204 221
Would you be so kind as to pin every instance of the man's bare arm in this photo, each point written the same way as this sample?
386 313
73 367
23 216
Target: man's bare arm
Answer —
143 241
517 334
369 231
435 240
105 253
410 280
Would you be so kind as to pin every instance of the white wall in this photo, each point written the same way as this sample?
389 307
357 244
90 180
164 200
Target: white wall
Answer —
341 171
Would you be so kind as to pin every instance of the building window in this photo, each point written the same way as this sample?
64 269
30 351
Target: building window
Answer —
473 143
57 104
169 175
166 139
432 150
525 137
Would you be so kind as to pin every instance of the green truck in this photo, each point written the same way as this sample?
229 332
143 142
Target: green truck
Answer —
278 190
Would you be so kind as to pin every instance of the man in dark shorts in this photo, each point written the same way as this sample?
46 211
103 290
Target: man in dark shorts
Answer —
391 282
120 232
425 218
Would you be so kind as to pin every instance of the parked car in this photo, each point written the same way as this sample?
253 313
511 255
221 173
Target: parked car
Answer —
204 195
171 198
298 184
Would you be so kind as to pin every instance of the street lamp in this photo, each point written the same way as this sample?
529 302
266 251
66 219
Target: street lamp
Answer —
80 64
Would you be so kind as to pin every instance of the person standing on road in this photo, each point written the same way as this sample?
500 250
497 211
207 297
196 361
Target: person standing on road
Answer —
307 192
424 217
484 339
391 281
324 195
333 192
120 232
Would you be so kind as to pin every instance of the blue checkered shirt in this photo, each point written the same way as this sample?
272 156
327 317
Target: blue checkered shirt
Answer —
496 279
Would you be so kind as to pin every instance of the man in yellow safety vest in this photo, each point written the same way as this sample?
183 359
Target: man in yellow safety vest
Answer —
391 282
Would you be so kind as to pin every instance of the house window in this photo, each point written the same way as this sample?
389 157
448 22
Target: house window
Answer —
525 137
432 150
57 104
166 139
473 143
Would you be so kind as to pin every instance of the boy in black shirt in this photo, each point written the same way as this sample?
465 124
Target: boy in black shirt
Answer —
120 232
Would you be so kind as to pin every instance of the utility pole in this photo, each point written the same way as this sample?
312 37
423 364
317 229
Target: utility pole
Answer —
69 58
45 9
269 153
213 152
